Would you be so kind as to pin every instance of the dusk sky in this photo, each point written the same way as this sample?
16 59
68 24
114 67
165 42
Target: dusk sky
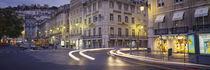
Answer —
5 3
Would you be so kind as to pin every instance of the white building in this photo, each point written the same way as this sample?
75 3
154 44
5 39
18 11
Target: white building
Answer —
107 23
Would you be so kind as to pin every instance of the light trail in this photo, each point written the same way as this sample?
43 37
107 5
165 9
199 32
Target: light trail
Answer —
72 56
149 59
89 57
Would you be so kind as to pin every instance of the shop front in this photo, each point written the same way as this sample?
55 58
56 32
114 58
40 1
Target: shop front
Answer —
199 48
178 44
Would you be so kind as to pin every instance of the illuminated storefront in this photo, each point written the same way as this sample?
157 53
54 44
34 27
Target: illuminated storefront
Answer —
177 43
191 43
204 43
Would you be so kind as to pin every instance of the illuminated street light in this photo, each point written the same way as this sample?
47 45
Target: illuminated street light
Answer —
142 8
142 27
57 28
23 32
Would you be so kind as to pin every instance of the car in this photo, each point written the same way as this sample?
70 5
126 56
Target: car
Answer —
25 45
28 45
33 46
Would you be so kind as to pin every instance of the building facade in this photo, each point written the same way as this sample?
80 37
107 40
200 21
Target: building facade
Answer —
56 29
171 22
107 23
34 15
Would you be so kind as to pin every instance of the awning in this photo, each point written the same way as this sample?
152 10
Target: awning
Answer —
159 18
202 11
178 15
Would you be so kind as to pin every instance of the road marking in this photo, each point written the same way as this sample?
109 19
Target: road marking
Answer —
72 56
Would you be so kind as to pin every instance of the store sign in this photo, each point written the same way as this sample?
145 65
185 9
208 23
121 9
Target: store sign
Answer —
62 43
204 43
191 43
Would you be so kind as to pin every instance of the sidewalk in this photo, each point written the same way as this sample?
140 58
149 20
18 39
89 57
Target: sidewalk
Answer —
176 57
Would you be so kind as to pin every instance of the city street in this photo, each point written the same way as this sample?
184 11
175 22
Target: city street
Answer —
16 59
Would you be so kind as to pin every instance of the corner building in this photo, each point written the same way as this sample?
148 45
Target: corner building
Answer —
107 23
172 22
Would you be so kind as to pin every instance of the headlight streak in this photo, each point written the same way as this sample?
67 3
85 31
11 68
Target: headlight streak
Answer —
72 56
89 57
149 59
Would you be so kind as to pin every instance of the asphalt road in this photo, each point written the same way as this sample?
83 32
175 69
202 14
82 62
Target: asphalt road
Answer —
16 59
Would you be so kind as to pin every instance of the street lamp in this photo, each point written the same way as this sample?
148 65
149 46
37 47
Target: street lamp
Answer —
141 27
141 8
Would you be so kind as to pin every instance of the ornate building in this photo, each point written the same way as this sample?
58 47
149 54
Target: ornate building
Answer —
107 23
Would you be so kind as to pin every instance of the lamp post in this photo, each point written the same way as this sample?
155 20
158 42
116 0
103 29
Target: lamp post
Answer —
141 8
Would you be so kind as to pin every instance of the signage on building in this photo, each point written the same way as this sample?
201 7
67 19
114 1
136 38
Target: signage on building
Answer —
204 43
191 43
62 43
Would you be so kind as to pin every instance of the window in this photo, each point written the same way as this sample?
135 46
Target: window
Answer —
95 18
85 32
94 31
85 21
99 31
77 21
119 5
119 18
99 4
89 21
126 7
111 4
160 3
85 10
80 31
126 32
202 20
80 20
133 32
89 32
111 17
133 20
133 9
112 31
177 1
126 19
119 32
100 17
89 9
94 7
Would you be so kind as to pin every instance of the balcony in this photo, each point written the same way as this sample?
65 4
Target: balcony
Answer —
179 30
127 36
161 31
201 28
92 36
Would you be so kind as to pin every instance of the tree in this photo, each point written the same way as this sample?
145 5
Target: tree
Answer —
10 25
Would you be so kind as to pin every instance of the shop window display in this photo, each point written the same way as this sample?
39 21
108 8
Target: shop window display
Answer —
204 43
181 45
162 45
191 43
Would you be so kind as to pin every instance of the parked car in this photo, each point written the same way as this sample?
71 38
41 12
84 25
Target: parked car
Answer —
28 46
33 46
25 46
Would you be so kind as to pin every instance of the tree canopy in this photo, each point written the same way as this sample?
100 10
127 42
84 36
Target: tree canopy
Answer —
10 25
